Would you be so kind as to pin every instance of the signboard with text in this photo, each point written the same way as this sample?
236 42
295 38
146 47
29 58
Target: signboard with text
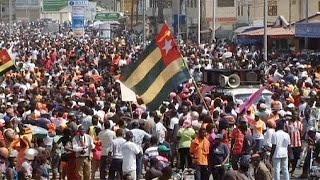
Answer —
78 16
54 5
310 30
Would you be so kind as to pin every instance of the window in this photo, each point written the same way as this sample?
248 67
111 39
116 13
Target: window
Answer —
241 10
225 3
192 3
153 3
272 10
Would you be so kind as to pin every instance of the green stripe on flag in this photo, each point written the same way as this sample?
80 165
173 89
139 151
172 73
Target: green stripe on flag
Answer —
148 80
133 66
170 86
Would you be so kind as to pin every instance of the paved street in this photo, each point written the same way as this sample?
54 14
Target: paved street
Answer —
191 176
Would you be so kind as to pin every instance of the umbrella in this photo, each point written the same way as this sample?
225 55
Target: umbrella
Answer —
37 131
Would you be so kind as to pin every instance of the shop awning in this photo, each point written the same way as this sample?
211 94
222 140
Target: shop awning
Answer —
273 32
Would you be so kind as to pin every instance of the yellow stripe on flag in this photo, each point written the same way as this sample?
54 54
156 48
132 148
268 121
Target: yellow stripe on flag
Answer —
141 71
171 70
6 66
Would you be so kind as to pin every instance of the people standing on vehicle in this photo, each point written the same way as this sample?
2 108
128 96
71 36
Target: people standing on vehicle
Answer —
279 152
200 152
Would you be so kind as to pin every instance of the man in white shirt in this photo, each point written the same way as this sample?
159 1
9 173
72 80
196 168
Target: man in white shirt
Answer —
83 145
138 137
105 136
268 134
279 152
130 152
117 157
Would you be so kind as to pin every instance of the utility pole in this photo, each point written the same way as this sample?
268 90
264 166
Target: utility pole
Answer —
213 20
290 6
199 21
179 12
144 22
265 54
306 40
10 17
132 4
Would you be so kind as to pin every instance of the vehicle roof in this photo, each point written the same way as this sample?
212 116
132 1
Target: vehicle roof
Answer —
242 90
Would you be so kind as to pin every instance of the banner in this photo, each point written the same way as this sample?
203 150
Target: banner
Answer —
253 98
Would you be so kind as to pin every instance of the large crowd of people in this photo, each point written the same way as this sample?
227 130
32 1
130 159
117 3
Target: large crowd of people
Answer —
66 87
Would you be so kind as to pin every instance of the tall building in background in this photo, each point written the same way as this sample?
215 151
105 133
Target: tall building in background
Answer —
4 10
28 10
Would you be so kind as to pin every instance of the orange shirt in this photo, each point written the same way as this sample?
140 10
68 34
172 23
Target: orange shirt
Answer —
200 150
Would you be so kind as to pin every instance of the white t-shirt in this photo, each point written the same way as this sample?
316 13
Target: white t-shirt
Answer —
106 136
129 152
161 132
173 122
282 140
268 136
139 135
117 148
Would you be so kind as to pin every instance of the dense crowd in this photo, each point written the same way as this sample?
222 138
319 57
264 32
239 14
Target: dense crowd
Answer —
61 113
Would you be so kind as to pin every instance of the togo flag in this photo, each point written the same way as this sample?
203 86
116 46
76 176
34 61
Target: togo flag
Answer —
159 70
6 62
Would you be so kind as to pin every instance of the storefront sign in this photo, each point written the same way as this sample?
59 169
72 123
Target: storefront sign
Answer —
310 30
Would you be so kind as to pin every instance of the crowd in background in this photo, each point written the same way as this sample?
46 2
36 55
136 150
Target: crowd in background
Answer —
67 86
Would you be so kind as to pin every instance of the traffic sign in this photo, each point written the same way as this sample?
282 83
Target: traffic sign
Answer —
54 5
78 3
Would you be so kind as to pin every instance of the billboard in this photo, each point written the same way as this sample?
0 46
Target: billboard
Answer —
78 16
54 5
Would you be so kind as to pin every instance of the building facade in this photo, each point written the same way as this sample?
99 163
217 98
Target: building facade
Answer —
252 11
4 10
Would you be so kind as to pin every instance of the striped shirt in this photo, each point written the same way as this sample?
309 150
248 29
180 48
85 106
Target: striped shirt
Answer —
294 130
238 139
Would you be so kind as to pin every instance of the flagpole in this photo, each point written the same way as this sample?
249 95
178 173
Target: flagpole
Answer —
130 107
198 91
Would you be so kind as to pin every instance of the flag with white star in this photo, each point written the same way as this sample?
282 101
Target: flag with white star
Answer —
158 71
6 62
